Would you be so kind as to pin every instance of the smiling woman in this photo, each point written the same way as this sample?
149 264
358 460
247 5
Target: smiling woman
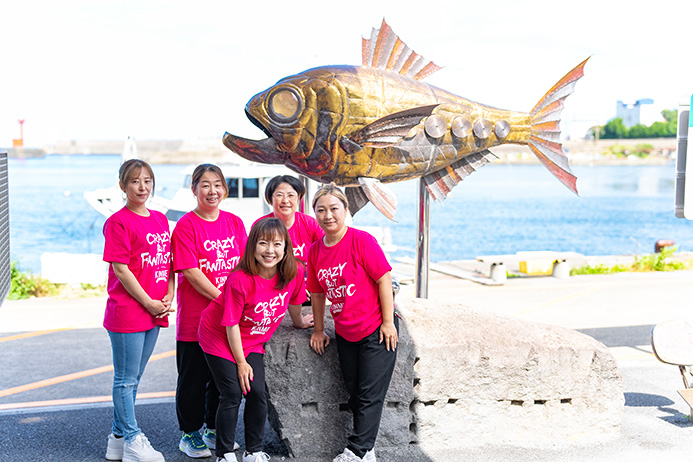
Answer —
207 243
234 328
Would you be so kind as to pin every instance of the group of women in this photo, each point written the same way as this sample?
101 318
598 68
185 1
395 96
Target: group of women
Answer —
233 292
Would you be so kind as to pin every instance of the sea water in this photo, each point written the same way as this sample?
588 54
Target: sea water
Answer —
500 209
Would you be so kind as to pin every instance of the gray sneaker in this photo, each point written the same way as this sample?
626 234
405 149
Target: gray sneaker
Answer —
210 438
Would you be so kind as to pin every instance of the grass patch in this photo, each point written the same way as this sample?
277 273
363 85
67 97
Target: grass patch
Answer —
25 284
660 261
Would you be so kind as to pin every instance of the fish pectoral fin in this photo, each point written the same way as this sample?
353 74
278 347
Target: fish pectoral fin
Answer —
390 129
349 146
356 198
441 182
380 196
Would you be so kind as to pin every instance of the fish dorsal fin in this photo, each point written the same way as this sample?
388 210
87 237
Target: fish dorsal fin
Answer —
385 50
441 182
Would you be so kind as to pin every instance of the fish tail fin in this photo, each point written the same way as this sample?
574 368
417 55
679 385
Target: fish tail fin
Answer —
544 138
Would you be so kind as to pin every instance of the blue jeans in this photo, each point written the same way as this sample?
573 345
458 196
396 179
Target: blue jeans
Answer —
130 355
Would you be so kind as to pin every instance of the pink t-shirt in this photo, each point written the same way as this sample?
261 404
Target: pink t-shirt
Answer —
347 273
144 245
303 233
215 247
252 303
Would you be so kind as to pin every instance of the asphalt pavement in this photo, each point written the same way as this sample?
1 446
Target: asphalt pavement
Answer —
55 376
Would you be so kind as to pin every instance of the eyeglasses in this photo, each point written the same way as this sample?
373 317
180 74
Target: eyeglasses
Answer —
280 196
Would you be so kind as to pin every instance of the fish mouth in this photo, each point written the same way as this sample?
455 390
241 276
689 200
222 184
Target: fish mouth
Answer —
265 151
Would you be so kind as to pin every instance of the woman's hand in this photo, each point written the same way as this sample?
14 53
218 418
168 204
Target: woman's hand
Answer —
388 332
168 303
245 376
318 342
158 308
306 322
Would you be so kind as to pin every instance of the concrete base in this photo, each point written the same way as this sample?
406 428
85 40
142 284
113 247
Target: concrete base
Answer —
462 379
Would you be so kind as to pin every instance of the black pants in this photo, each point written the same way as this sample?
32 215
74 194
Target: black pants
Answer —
367 369
226 377
197 397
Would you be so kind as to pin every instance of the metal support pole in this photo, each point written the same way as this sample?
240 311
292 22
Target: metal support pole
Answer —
423 244
305 206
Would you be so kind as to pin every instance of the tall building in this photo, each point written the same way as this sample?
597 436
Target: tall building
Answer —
631 113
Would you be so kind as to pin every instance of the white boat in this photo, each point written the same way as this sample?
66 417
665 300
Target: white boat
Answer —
246 181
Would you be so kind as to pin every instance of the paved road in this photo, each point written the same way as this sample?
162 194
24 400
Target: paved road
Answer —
55 377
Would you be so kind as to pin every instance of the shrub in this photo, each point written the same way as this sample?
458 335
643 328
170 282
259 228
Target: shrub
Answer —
25 285
654 262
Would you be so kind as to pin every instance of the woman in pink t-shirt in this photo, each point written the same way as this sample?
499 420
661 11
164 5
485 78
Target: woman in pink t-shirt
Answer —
349 268
234 328
207 243
140 291
284 193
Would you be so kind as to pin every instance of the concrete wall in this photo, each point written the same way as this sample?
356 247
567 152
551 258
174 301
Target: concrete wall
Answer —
462 379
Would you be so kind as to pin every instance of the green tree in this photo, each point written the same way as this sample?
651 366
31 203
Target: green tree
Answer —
638 131
614 129
672 118
659 130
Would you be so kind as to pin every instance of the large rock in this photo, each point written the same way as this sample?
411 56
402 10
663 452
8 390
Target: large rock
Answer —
462 379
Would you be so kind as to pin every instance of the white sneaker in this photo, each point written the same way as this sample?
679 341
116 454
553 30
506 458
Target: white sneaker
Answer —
255 457
228 457
140 450
349 456
114 450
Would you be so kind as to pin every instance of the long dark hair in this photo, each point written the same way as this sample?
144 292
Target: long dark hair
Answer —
268 229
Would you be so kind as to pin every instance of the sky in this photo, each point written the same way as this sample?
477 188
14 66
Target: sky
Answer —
169 69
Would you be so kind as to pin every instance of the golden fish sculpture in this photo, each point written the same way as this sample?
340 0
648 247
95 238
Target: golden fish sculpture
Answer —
361 127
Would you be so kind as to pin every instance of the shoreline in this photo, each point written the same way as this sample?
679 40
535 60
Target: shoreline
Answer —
580 152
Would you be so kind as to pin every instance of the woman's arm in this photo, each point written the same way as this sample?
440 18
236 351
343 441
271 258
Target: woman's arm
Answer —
200 283
319 340
171 291
300 322
245 371
388 331
155 307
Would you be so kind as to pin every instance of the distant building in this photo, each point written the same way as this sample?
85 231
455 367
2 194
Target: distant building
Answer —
636 113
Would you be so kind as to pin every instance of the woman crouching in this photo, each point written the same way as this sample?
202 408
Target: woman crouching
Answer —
234 328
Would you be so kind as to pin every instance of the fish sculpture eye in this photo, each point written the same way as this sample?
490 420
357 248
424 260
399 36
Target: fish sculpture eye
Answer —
284 105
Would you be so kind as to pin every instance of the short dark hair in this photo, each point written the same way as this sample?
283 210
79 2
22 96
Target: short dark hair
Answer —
204 168
292 181
268 228
130 169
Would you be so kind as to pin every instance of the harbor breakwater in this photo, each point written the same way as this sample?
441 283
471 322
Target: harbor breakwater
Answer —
212 150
